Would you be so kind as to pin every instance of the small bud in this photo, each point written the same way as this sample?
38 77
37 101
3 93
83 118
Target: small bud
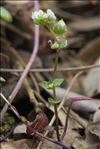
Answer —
51 15
59 44
60 27
39 17
55 45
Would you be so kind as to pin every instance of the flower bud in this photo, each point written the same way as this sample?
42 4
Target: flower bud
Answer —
63 44
55 45
39 17
60 27
51 15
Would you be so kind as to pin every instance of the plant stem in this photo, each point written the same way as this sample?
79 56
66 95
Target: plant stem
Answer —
56 62
28 66
73 99
53 141
54 95
56 115
66 123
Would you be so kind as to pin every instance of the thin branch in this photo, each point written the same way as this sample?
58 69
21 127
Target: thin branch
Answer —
51 69
11 107
72 100
28 66
27 123
52 140
66 123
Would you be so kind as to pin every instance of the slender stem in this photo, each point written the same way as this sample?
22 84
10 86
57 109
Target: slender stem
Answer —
36 133
11 107
51 69
73 99
53 141
66 123
56 115
62 103
54 95
56 63
28 66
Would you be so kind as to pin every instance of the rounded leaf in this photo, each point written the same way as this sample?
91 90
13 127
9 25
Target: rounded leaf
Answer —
57 82
53 101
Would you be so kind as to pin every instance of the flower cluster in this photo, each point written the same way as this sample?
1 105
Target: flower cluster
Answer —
43 18
57 27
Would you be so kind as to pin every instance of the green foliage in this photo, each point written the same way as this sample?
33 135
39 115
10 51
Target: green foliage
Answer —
58 82
53 101
48 85
53 84
5 15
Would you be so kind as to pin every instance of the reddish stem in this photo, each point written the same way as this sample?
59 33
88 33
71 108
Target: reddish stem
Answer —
28 66
72 99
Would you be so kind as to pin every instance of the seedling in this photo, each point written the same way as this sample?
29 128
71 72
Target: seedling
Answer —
57 29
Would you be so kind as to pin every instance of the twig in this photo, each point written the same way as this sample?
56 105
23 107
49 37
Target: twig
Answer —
20 64
28 66
52 140
27 123
66 123
51 69
11 107
72 100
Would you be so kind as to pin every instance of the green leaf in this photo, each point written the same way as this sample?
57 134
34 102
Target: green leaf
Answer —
58 82
53 101
53 84
48 85
5 15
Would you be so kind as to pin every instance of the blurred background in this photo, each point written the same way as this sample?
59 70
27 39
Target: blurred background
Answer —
17 40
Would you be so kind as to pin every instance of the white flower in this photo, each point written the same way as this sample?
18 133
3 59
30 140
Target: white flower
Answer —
39 17
51 15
